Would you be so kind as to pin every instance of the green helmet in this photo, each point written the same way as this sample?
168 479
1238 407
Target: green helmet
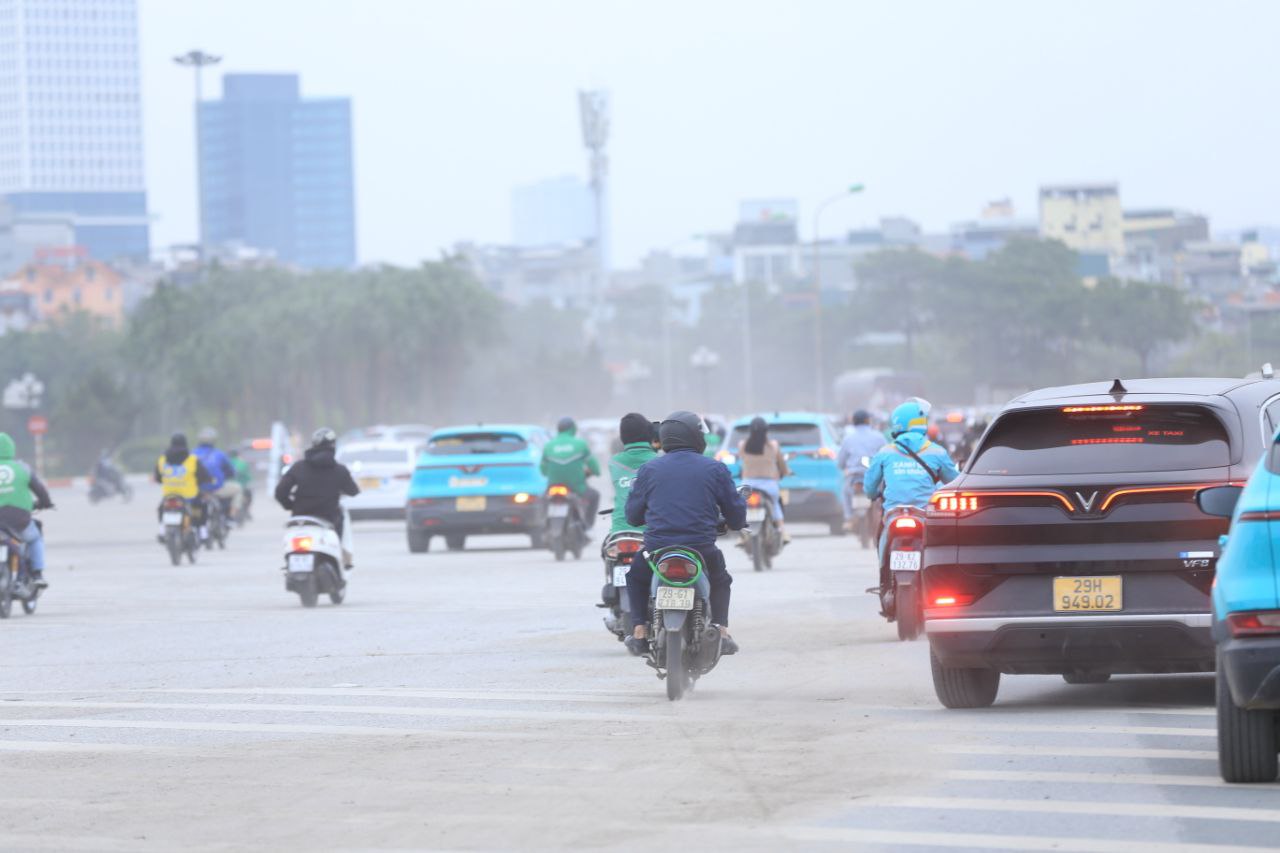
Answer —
7 448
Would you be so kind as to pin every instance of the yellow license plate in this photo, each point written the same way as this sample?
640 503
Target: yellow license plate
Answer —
367 483
476 503
1096 593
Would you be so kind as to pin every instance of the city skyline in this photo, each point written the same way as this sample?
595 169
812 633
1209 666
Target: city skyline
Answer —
938 111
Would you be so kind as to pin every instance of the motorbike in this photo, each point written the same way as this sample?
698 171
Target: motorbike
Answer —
865 516
243 515
219 523
105 485
764 539
313 560
618 550
901 600
684 644
15 575
566 531
180 535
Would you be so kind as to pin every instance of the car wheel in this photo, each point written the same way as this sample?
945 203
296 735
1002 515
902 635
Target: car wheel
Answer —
1086 677
537 541
837 528
1246 739
455 541
419 542
963 687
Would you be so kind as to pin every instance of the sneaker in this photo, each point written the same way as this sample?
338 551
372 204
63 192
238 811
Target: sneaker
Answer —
637 646
37 578
728 646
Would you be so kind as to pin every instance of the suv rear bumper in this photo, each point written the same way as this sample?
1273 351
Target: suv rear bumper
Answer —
1251 667
1116 643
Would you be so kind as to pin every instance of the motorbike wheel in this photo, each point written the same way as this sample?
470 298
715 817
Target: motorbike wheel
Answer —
29 604
173 544
677 678
193 545
126 493
580 540
907 605
6 592
757 550
308 594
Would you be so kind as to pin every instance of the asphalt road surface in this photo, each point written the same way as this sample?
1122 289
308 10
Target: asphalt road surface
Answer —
472 700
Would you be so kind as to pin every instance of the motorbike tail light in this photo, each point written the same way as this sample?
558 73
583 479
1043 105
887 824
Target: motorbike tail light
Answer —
753 499
952 600
905 522
1255 624
677 569
558 491
521 497
629 546
301 543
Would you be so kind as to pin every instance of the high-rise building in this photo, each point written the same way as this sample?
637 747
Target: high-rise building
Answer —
1087 217
553 212
276 172
71 120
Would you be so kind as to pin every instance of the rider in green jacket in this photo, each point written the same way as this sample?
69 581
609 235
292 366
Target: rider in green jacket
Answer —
567 461
638 435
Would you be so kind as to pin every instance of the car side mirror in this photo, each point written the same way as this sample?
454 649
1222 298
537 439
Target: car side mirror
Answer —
1219 500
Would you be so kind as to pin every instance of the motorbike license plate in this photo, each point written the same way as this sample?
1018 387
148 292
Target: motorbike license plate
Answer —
674 598
370 483
558 511
4 553
904 561
172 519
620 575
302 562
755 514
474 503
1094 593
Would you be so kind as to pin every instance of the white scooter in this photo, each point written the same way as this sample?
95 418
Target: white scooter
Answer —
313 559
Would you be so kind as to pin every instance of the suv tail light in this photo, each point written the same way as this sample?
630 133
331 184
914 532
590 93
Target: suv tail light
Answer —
954 599
422 501
1256 624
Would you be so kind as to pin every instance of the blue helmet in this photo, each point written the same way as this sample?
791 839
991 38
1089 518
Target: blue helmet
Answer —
911 416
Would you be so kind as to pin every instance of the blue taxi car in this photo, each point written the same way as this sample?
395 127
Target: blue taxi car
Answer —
814 490
478 479
1246 623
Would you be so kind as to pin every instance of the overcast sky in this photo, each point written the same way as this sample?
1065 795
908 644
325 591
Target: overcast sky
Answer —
937 106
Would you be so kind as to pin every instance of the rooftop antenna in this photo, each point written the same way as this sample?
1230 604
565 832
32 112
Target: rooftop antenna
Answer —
1118 389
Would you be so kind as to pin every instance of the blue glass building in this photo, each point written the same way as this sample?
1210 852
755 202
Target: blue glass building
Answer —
276 171
71 121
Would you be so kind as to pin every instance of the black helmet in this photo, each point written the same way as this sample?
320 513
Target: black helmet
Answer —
178 440
324 437
683 431
862 416
566 424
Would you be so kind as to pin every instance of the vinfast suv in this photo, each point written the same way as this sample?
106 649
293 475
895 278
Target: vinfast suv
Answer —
1072 542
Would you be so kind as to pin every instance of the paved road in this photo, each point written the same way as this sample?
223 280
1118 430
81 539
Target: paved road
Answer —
473 701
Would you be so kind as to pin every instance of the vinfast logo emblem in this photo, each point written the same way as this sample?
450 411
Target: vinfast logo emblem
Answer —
1086 504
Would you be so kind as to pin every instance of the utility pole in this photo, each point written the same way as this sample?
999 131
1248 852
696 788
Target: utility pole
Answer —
593 108
197 60
819 359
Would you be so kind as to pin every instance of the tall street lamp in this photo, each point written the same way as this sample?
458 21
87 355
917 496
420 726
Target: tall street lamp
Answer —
819 362
197 60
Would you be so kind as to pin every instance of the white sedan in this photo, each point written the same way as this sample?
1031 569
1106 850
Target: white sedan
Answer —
382 470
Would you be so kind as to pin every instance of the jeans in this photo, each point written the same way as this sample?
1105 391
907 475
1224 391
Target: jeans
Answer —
770 488
34 541
640 580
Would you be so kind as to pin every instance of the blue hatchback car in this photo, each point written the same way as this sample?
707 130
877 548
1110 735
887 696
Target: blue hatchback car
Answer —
477 479
814 490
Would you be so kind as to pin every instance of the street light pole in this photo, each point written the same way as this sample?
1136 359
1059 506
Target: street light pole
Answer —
197 60
819 361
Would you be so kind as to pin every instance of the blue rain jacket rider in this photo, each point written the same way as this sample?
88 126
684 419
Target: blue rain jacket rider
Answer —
900 479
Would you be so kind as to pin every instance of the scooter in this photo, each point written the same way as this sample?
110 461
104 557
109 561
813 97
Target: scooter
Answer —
179 535
313 560
566 531
685 645
15 575
901 600
865 514
618 550
764 541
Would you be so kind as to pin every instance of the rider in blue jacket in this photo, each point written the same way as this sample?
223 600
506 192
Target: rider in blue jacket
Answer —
908 470
680 497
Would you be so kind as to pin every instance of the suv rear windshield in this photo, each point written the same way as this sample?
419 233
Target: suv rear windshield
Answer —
1116 439
476 442
787 435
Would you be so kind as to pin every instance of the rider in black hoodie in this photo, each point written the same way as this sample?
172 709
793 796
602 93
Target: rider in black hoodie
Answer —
314 485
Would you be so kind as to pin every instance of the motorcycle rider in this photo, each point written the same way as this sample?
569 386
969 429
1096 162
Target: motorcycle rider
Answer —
106 473
567 461
314 486
181 473
17 484
764 466
244 477
908 470
638 435
863 440
680 498
224 486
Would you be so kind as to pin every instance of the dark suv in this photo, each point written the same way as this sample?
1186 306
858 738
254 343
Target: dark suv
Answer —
1072 544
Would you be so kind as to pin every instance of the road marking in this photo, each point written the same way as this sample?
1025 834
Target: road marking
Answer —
409 693
1001 842
64 746
1061 728
266 728
1076 807
1080 751
1059 777
371 710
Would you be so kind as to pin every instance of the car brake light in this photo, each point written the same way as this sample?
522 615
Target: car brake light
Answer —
260 444
1109 408
421 501
906 522
953 600
301 543
1254 624
558 491
522 497
956 503
825 453
677 569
